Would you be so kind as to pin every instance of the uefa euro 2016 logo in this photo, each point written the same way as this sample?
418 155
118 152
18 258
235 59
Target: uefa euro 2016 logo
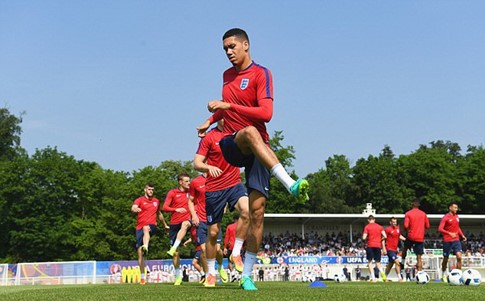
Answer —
244 83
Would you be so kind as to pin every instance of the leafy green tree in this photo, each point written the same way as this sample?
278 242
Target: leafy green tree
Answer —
471 186
431 173
280 200
10 131
377 181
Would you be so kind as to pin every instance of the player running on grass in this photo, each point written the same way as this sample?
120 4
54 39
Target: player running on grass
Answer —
393 233
450 228
147 207
375 236
223 186
177 204
246 105
197 207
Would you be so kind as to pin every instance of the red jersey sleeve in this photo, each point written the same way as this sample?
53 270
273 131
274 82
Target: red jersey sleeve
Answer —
168 202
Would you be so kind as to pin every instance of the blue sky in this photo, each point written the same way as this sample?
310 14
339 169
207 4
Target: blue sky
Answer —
125 83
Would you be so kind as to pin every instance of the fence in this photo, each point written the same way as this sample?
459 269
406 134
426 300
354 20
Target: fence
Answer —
304 268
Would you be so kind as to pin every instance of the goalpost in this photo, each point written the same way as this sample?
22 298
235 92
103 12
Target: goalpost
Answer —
71 272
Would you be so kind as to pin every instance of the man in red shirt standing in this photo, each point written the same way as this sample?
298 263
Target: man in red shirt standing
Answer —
393 233
375 236
450 228
147 208
177 204
415 222
246 107
223 187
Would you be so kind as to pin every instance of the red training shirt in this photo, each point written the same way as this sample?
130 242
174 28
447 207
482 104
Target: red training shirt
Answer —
374 235
210 149
177 198
416 222
197 191
148 213
392 240
244 89
450 223
230 236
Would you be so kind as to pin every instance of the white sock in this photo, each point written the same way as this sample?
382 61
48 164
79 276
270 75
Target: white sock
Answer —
211 265
249 261
236 251
178 272
202 274
176 244
143 276
280 173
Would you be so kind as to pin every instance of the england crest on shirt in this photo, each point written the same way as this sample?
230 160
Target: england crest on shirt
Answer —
244 83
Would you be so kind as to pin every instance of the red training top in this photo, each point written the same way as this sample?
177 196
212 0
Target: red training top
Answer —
148 213
177 198
230 236
374 235
392 240
210 149
450 223
416 222
197 191
244 90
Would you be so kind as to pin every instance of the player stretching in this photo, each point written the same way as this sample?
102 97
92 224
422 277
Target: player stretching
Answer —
415 222
223 186
147 208
375 236
197 207
450 228
393 233
177 204
246 105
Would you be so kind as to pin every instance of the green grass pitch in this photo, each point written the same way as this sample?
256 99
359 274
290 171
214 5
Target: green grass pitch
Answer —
297 291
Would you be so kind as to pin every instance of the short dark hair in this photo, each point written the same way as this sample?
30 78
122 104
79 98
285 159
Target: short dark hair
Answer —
416 202
452 203
235 217
371 217
149 184
182 175
392 217
236 32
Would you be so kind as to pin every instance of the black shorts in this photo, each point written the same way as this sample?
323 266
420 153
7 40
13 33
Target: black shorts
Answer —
418 247
174 230
257 175
373 254
139 235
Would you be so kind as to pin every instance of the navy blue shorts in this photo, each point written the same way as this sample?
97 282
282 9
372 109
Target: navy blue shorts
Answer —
451 247
418 247
373 254
257 175
215 202
197 255
201 233
139 235
174 230
392 255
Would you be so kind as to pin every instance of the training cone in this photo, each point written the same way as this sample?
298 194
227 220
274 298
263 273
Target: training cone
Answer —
318 284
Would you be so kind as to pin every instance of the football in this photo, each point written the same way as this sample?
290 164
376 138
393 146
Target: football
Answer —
339 278
455 277
472 277
422 277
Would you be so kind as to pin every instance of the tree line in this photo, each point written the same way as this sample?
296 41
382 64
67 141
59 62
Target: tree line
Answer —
55 207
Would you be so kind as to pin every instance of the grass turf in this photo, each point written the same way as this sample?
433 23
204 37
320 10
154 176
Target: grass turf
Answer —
297 291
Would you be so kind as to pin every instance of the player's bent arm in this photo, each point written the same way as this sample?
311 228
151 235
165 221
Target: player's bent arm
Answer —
195 219
402 238
135 208
263 112
162 219
364 236
200 165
